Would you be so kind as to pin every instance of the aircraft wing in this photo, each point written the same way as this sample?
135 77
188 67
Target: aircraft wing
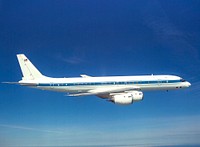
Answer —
85 76
102 91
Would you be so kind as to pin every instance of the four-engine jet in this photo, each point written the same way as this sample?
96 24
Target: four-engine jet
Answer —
117 89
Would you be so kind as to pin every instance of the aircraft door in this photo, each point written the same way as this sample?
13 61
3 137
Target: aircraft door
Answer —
51 85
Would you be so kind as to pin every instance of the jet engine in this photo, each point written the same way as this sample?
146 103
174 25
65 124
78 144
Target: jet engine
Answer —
127 98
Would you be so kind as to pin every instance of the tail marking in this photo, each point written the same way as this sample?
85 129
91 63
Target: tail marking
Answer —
29 71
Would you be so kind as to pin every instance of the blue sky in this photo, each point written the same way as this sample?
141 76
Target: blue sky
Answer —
68 38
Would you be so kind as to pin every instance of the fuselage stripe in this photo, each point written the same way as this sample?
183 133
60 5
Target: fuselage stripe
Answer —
109 83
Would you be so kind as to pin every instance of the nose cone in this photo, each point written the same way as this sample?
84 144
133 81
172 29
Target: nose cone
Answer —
187 84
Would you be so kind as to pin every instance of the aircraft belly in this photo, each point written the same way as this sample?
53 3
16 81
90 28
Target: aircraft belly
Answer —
159 87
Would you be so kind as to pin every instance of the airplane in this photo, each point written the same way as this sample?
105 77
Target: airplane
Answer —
122 90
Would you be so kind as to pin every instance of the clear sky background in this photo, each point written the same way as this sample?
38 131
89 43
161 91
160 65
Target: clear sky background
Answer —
66 38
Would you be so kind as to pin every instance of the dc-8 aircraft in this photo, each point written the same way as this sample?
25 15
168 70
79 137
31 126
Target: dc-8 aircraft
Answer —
117 89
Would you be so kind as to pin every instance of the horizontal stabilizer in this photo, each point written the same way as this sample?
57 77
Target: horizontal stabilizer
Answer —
21 83
10 82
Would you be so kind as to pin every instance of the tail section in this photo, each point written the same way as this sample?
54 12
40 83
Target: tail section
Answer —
29 71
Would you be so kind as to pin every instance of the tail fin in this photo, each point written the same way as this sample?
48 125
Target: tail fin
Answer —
29 71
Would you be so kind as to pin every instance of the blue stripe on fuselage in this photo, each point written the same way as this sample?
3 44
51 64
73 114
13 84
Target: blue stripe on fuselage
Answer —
109 83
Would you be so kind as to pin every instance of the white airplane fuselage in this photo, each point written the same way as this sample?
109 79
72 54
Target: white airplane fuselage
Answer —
76 85
117 89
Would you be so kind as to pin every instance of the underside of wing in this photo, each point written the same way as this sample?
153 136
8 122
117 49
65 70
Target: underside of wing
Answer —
105 91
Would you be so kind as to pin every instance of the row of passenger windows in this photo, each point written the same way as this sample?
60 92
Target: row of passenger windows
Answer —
108 83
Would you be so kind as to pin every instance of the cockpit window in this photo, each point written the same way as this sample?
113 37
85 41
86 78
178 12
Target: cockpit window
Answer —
182 80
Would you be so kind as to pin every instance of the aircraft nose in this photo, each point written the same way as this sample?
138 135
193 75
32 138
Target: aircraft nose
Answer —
188 84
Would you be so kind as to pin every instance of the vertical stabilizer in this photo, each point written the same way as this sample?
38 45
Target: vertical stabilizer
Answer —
29 71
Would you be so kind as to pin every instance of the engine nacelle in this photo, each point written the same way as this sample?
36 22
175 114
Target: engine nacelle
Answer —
127 98
136 95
